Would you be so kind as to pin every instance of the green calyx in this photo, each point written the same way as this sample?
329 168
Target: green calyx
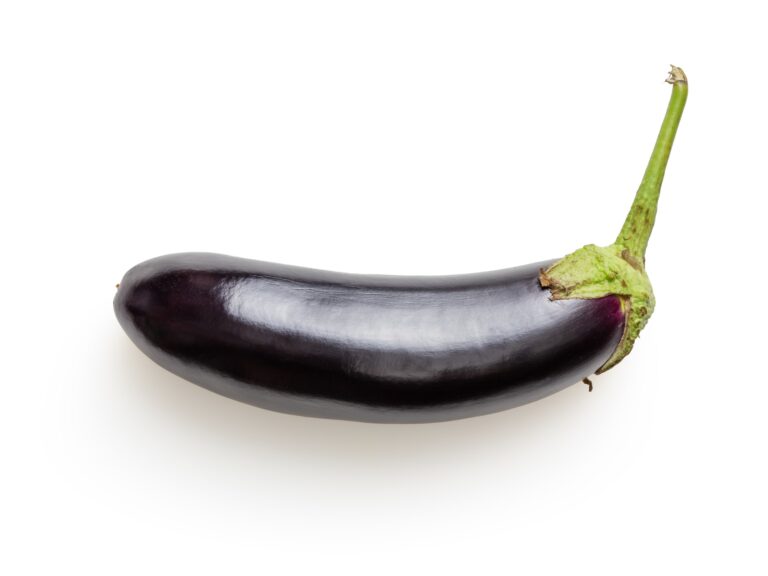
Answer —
619 269
596 272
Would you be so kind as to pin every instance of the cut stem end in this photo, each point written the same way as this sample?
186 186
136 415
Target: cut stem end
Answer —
676 76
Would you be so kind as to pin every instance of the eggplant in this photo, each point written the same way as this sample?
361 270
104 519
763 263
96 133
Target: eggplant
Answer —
400 349
364 347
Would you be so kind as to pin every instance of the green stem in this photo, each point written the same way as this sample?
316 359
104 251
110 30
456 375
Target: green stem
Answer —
619 269
639 223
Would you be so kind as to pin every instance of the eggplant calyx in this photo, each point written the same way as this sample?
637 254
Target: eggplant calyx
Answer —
596 272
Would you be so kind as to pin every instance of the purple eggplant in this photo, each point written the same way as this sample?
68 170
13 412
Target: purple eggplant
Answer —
399 348
359 347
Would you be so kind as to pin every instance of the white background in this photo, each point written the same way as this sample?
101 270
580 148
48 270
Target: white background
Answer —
392 137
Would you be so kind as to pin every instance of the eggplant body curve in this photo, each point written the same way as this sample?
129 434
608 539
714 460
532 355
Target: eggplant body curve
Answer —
370 348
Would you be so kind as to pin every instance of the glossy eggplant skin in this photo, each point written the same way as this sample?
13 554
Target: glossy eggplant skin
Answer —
363 347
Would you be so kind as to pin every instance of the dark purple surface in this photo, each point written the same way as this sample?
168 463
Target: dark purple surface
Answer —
363 347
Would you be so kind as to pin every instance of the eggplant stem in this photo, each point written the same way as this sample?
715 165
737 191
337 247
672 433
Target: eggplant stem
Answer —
637 227
619 269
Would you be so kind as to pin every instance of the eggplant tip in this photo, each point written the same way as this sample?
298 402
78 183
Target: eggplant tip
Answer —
676 76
